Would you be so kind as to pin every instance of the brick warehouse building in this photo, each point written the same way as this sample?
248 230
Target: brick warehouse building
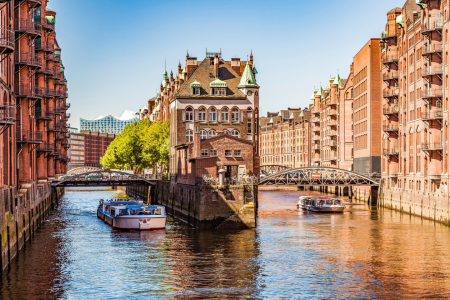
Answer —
87 147
33 118
415 108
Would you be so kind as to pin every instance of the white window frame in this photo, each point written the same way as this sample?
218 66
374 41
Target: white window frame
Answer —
189 114
235 115
212 114
229 155
189 135
237 153
204 153
202 114
203 134
225 115
213 153
212 133
235 133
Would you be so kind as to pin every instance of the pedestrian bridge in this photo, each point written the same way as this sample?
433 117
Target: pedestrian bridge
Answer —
105 178
318 176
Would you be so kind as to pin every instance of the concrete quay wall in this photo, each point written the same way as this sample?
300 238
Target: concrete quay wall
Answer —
205 206
22 213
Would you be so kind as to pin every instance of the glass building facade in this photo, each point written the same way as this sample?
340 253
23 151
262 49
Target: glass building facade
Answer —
109 124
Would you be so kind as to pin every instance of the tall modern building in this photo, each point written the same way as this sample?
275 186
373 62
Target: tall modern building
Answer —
109 124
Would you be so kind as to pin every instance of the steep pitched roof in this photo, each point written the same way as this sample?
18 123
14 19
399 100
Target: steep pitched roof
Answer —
247 79
204 75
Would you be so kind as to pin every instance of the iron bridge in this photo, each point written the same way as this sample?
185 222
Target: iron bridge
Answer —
104 178
318 176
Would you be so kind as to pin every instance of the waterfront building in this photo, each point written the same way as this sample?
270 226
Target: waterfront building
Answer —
215 109
86 148
33 117
109 124
285 138
415 109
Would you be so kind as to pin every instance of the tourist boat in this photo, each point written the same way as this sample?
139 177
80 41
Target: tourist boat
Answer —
132 215
328 205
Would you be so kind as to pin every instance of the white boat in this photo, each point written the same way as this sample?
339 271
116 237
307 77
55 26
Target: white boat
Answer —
328 205
132 215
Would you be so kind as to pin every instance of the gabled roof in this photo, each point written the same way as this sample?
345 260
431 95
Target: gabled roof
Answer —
203 75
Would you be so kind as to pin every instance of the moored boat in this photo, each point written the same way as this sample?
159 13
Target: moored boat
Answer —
327 205
132 215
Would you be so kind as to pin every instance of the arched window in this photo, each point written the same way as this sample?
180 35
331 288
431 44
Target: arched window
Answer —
212 133
189 114
202 114
189 136
212 114
202 134
235 115
235 133
225 114
226 132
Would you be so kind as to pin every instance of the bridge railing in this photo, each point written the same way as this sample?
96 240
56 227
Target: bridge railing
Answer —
205 180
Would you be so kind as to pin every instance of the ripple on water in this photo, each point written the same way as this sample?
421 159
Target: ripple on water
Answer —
362 253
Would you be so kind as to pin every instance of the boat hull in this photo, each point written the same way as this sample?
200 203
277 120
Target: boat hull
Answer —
138 222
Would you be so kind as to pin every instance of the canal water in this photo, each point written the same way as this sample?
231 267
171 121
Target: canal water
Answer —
362 253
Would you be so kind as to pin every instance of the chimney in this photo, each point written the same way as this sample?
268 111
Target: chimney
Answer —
216 66
236 65
139 114
197 143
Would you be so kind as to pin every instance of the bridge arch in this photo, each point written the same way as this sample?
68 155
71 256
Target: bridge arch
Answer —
113 178
318 176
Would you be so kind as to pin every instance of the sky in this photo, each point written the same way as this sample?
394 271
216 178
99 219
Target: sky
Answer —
114 51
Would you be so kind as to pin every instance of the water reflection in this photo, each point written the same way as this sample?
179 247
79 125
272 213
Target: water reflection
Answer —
363 253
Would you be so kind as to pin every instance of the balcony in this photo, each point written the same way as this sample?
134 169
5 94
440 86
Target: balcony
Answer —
25 91
393 75
48 26
52 57
331 102
391 58
7 114
390 93
435 115
437 69
7 39
433 48
29 137
391 110
331 123
316 138
332 112
27 59
67 116
54 127
316 147
332 133
43 115
45 47
432 25
49 93
315 120
55 110
48 70
26 26
65 107
46 147
433 93
389 128
59 136
391 151
393 175
35 2
432 146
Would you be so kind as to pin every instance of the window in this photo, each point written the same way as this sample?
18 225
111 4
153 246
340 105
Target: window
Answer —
212 114
237 153
202 134
235 115
226 132
195 91
235 133
202 114
228 153
204 153
213 152
225 115
189 136
218 91
189 114
212 133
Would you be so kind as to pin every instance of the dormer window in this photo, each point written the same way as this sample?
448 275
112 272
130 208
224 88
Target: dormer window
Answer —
218 87
195 88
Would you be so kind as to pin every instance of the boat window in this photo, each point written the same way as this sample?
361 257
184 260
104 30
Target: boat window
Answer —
321 202
337 202
329 202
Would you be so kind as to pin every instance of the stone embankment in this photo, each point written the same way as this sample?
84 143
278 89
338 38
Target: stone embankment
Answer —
22 213
204 206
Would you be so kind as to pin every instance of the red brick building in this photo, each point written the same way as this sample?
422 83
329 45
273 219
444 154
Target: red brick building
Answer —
86 148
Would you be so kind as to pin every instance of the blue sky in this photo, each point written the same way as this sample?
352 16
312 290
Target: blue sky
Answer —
114 50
